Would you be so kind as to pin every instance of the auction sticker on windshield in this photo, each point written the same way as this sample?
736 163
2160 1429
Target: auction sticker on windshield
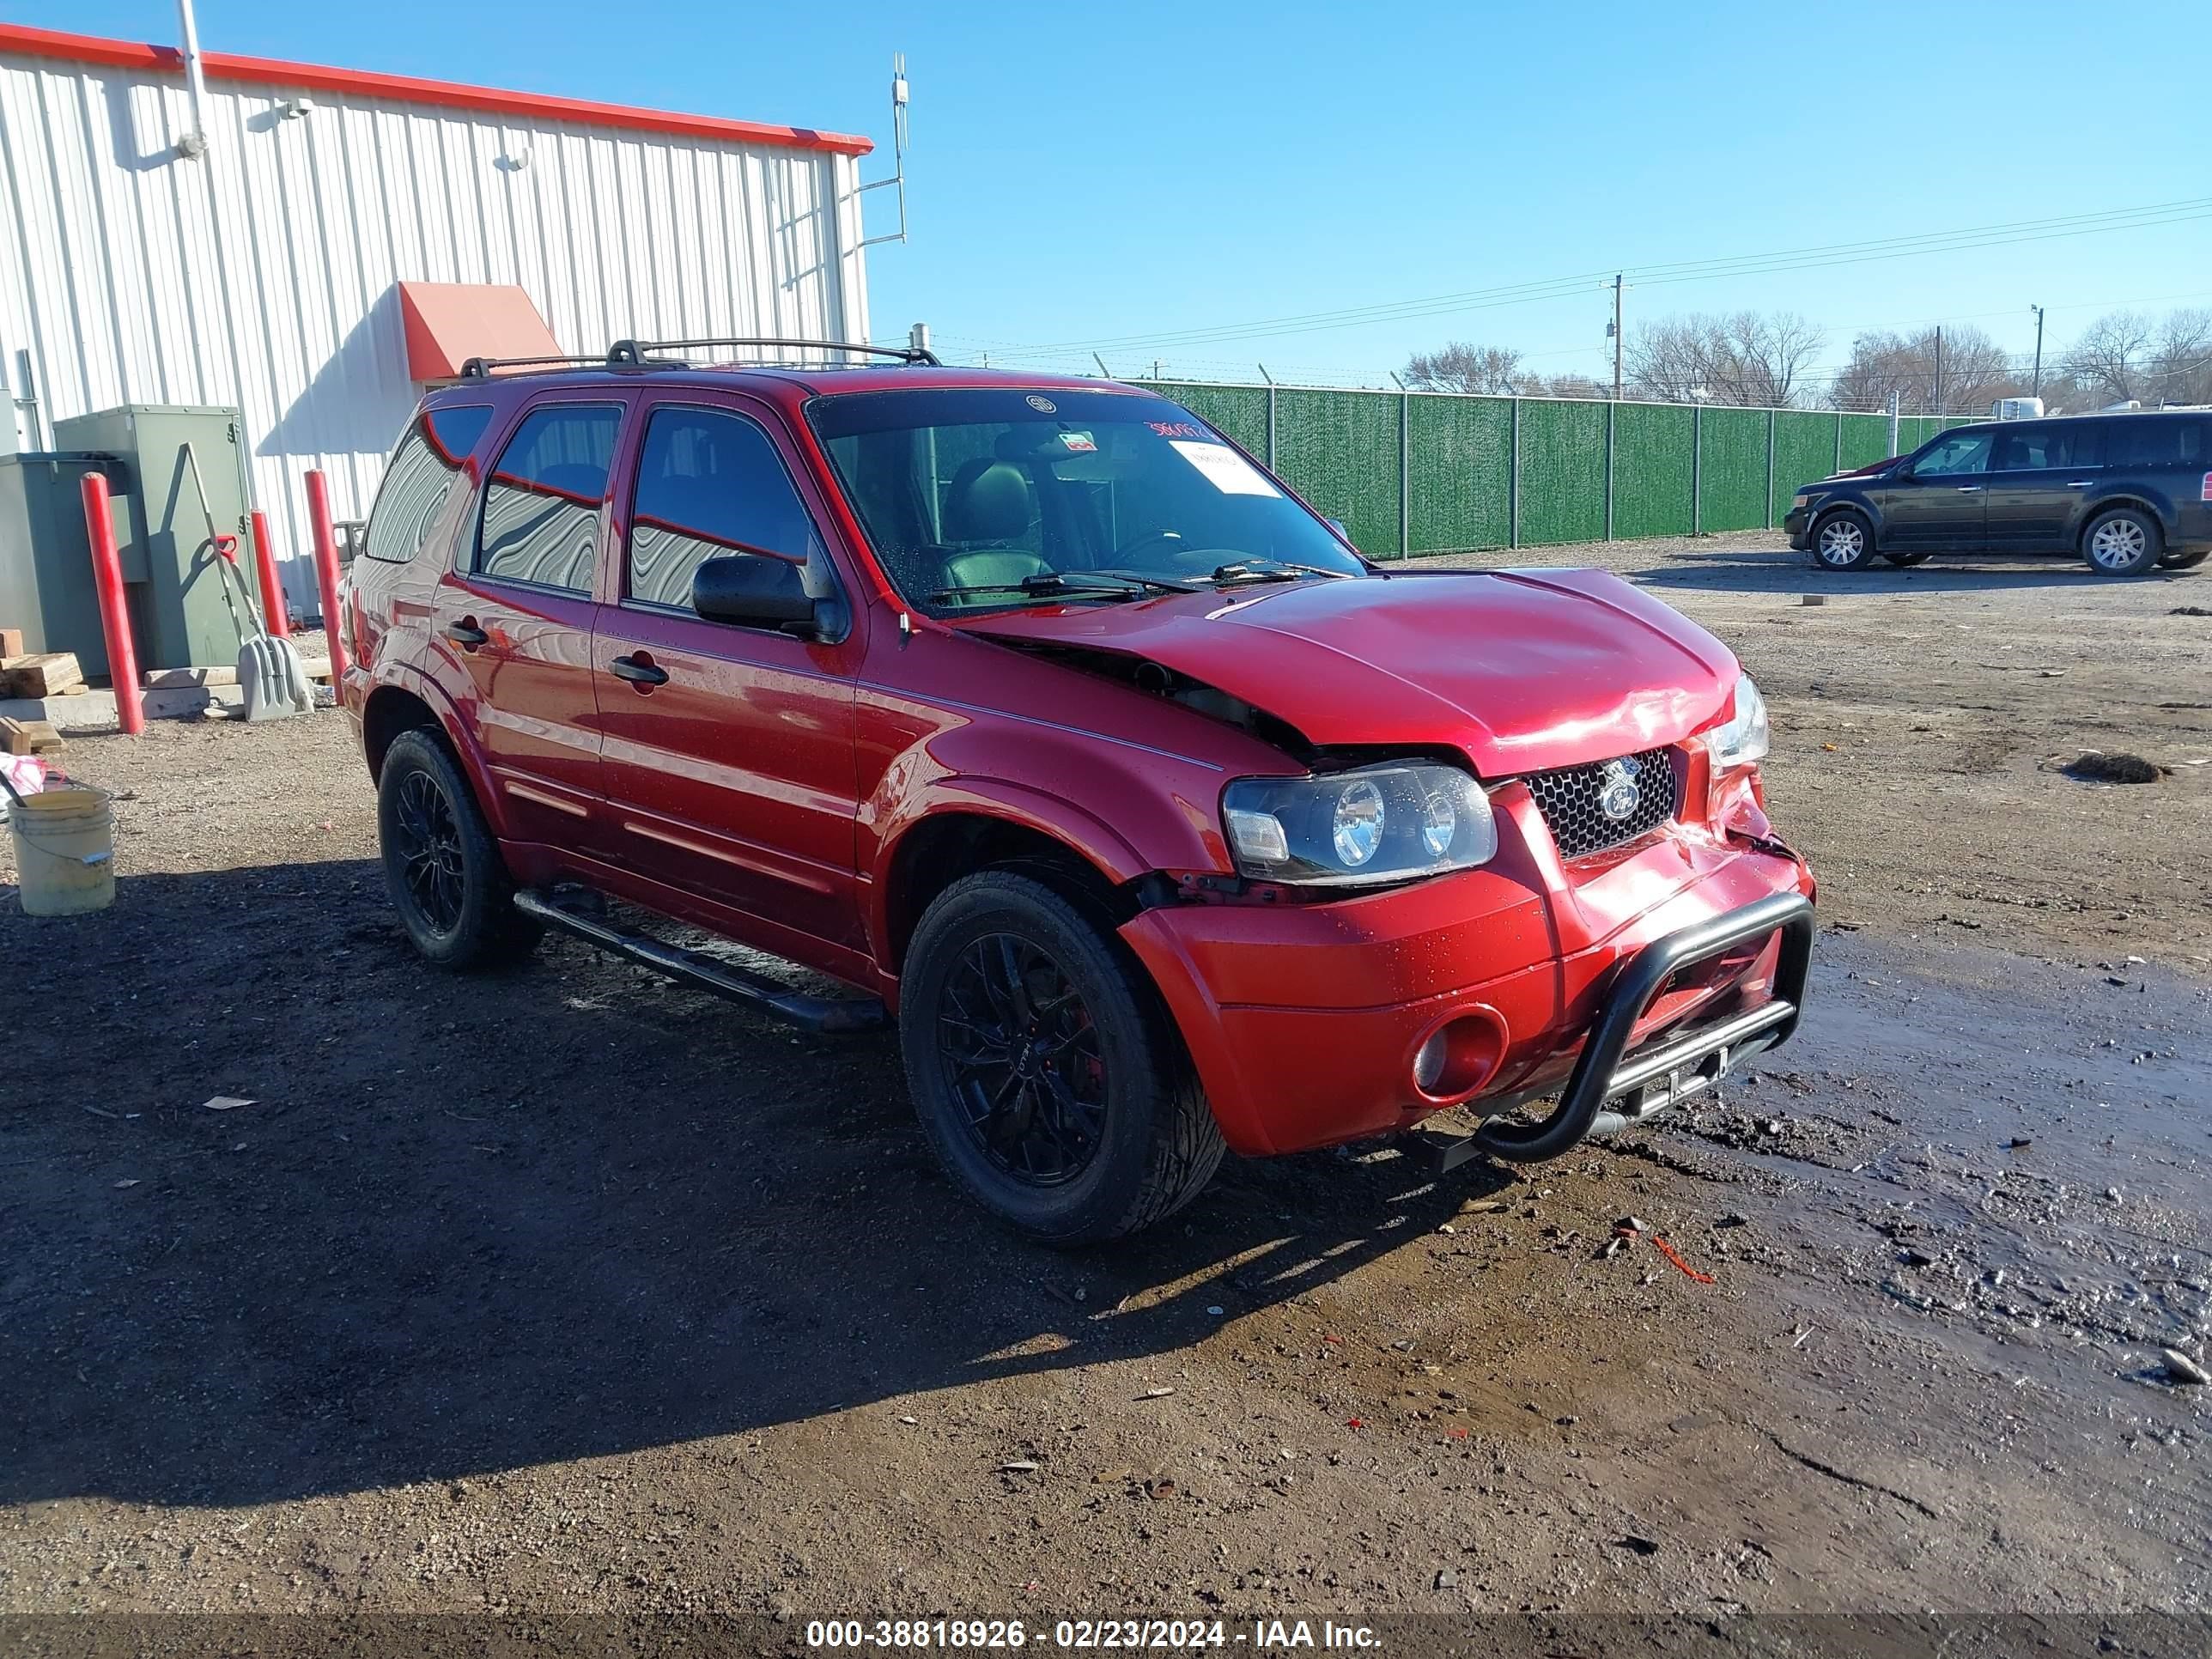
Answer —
1224 469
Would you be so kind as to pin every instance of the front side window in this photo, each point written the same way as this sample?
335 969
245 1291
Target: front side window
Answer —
541 513
1969 452
710 485
2047 447
2140 442
421 476
967 495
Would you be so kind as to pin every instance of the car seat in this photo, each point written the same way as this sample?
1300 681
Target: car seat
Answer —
988 504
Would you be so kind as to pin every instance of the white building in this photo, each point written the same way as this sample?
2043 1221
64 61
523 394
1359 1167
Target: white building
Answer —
340 238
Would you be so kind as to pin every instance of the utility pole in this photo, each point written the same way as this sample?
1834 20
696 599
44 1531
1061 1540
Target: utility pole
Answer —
1616 336
1939 371
2036 389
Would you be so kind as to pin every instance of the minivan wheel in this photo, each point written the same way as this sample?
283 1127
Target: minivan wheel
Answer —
441 866
1842 541
2185 560
1049 1077
2121 542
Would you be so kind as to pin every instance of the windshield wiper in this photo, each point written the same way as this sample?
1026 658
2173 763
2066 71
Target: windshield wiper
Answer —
1271 570
1100 584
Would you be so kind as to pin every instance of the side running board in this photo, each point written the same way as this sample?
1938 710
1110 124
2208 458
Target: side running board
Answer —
830 1016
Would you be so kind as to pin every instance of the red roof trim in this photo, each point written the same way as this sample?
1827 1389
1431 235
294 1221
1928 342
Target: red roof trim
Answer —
408 90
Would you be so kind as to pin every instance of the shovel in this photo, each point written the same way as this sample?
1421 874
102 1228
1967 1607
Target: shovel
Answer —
270 675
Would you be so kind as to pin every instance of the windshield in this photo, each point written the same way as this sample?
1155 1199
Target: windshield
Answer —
973 499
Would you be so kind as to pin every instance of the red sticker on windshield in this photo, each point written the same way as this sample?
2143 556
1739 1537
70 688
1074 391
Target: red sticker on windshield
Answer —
1178 428
1080 442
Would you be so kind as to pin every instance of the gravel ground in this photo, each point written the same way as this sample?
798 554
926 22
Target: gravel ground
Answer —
566 1290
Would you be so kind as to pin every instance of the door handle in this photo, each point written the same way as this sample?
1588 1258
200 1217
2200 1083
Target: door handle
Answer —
465 634
1970 489
640 670
2079 483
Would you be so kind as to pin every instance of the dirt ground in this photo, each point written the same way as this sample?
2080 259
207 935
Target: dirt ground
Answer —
568 1291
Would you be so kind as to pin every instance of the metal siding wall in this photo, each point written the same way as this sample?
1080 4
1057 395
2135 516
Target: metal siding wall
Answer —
1339 451
263 274
1732 469
1651 470
1462 457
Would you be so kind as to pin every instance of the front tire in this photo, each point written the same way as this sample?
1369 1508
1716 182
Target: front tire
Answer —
1048 1074
2121 542
441 866
1843 541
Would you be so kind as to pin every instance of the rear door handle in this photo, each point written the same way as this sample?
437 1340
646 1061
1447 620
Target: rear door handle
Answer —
639 671
466 635
1970 489
2079 483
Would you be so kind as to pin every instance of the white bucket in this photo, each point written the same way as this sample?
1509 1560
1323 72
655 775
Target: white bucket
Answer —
65 851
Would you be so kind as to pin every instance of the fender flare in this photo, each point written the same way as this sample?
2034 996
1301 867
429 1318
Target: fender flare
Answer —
2165 517
426 689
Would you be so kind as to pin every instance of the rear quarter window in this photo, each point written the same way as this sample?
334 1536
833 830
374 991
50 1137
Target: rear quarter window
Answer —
420 478
2139 442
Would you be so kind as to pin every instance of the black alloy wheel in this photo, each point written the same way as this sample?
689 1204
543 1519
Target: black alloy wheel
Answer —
426 842
1024 1060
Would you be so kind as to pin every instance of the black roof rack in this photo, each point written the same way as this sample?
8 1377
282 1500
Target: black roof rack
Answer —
633 352
480 368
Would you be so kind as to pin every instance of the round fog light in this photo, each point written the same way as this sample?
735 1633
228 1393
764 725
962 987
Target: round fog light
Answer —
1429 1064
1459 1056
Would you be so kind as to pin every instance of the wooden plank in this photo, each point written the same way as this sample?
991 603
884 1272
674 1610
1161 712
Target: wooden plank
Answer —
11 643
45 674
30 736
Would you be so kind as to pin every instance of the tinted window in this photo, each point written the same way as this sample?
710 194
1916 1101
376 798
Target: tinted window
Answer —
2136 441
710 486
416 485
2033 447
541 515
1967 451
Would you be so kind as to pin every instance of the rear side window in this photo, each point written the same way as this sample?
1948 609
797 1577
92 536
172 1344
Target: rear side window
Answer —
2037 447
2139 442
541 513
419 479
710 485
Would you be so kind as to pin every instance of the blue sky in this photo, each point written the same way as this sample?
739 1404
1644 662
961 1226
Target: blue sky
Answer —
1089 173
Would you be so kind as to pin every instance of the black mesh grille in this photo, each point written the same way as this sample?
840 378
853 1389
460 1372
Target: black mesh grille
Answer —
1572 798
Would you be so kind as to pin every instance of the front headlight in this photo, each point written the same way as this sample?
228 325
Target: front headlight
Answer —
1379 823
1743 738
1802 498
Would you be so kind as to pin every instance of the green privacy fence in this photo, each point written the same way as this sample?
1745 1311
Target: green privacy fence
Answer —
1442 472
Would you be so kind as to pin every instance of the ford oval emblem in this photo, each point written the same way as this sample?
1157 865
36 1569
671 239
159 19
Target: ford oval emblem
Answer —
1618 792
1042 405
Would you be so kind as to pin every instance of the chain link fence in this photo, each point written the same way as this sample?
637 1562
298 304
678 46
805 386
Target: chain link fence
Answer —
1411 473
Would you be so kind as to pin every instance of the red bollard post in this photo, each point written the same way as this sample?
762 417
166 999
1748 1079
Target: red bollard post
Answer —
273 609
114 616
326 570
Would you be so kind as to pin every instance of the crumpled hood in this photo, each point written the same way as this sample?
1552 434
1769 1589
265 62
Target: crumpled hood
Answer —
1522 669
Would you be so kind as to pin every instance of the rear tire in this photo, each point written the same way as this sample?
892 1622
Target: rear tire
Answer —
1048 1074
2121 542
1843 541
2185 560
441 866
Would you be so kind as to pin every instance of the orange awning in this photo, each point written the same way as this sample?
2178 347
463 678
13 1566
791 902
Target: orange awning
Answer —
449 323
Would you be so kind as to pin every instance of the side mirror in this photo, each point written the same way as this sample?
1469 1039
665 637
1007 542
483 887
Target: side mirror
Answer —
749 592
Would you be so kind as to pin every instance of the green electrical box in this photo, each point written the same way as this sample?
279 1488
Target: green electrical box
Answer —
46 556
184 618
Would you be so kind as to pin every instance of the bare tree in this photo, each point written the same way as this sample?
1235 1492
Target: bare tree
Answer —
2180 368
1972 373
2112 354
1752 359
1459 367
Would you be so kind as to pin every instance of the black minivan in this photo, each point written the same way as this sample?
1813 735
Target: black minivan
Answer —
2127 492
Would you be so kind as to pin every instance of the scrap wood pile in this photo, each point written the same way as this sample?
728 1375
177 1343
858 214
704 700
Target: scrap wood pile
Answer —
36 675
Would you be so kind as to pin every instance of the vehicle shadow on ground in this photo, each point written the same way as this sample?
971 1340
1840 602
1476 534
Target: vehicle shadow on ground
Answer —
1746 570
470 1224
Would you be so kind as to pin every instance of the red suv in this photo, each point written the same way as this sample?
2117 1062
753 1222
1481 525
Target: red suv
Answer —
1041 716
